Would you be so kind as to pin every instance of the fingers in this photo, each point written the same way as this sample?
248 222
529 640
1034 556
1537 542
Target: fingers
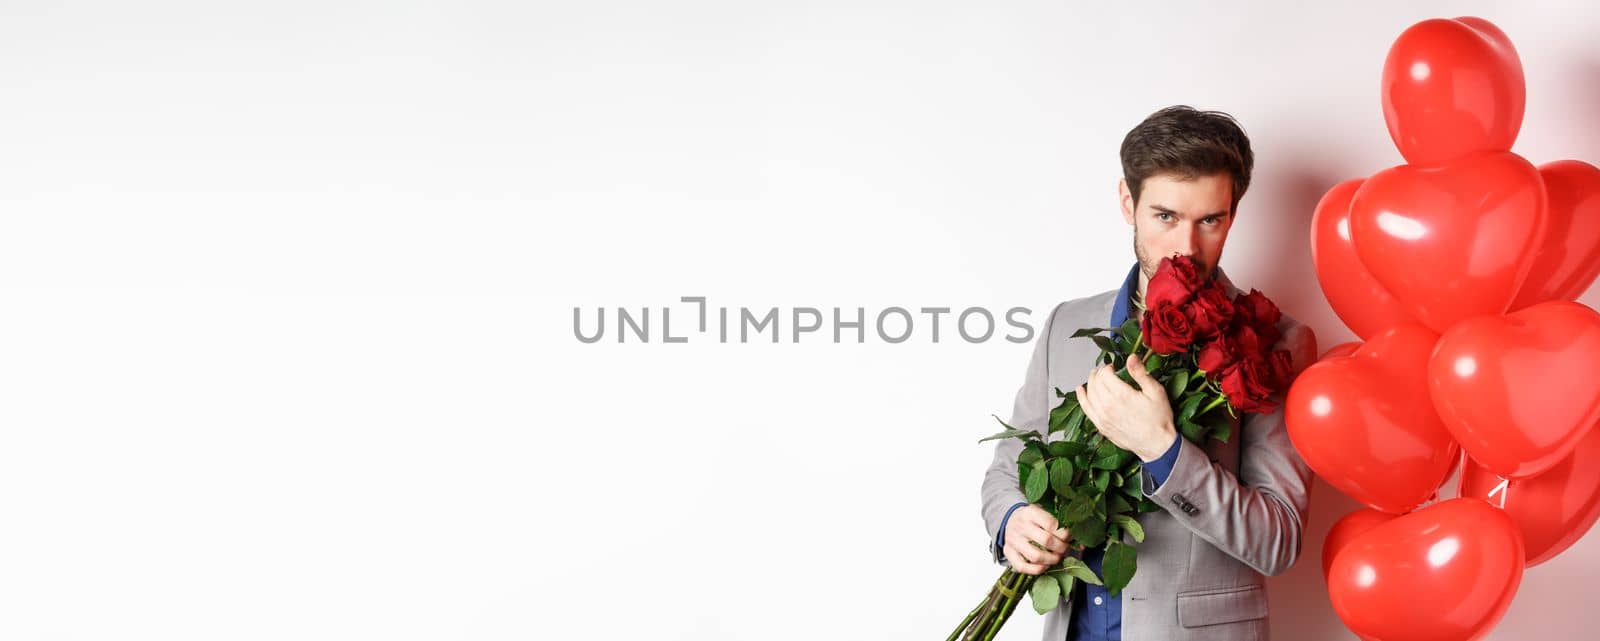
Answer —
1034 542
1147 383
1136 368
1038 525
1090 410
1038 517
1028 552
1019 561
1101 382
1047 537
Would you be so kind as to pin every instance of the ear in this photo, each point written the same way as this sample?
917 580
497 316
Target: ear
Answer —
1126 197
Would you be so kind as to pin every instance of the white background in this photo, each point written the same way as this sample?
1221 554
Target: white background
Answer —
286 296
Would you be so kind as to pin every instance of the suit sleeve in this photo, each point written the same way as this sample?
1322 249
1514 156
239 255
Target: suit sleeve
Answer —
1030 410
1259 516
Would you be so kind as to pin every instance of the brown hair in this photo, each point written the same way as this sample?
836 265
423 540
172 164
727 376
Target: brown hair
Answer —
1189 143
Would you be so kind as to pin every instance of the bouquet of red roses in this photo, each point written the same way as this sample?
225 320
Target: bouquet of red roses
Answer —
1213 355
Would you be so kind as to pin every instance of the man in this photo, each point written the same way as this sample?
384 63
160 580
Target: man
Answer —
1230 512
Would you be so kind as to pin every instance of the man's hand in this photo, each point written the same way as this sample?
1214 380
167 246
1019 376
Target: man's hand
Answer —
1137 420
1034 541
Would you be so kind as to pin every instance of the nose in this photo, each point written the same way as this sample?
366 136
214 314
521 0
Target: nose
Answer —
1189 243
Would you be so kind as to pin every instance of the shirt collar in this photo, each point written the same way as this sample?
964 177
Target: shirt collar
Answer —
1123 307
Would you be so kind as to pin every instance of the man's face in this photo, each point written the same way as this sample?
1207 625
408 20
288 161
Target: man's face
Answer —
1177 216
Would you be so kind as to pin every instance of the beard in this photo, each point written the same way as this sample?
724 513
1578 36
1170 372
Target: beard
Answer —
1146 266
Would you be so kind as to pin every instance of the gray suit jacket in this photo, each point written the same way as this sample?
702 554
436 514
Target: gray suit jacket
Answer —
1231 512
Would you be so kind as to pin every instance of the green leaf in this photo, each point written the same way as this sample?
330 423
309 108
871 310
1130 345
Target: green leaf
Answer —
1219 424
1063 412
1074 567
1191 430
1105 455
1061 475
1032 452
1116 506
1091 532
1038 481
1074 425
1121 561
1046 595
1010 432
1066 448
1110 457
1129 329
1102 479
1131 526
1187 410
1065 580
1177 383
1081 507
1023 434
1059 510
1154 362
1089 331
1104 343
1060 394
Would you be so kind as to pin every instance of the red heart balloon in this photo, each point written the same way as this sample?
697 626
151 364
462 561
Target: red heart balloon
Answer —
1363 422
1570 258
1346 530
1452 87
1553 510
1342 349
1451 242
1359 300
1519 391
1447 571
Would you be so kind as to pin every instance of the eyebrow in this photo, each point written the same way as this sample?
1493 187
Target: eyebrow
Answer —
1164 210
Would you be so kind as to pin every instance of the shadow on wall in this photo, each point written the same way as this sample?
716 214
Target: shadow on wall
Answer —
1584 78
1275 225
1555 598
1292 175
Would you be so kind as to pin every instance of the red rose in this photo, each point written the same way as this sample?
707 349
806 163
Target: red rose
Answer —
1246 343
1211 312
1249 385
1165 288
1166 329
1175 281
1260 313
1217 355
1187 269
